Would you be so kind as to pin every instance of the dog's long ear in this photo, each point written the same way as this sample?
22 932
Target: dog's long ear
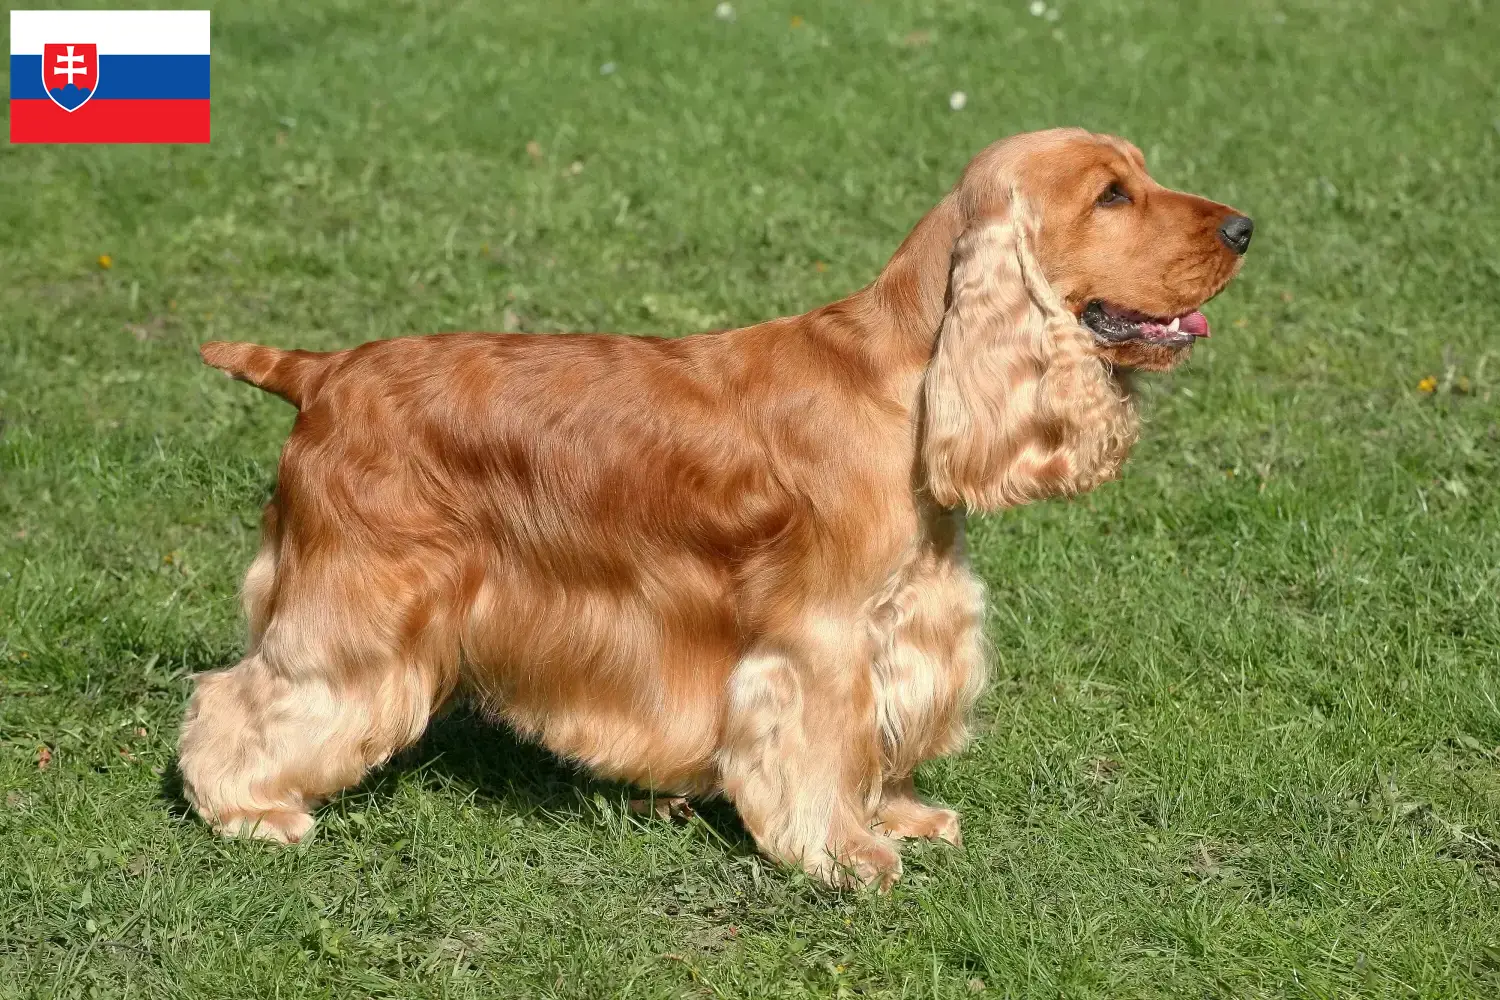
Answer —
1017 405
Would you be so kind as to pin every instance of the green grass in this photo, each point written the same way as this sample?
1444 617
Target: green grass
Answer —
1244 738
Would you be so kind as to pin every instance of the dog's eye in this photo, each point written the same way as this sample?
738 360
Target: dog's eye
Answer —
1113 195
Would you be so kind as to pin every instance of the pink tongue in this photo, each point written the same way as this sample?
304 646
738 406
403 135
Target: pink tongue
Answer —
1195 323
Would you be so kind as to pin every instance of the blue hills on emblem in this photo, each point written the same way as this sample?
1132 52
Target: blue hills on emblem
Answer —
70 96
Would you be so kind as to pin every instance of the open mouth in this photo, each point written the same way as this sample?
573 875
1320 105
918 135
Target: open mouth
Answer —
1116 325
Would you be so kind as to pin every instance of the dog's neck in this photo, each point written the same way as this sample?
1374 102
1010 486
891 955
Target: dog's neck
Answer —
893 321
910 295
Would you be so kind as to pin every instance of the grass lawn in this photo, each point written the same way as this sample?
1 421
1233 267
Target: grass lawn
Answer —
1244 737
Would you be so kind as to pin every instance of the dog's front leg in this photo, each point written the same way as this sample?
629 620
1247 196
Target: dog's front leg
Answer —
801 756
929 669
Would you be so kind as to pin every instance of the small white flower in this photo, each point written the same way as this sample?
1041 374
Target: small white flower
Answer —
957 100
1053 13
724 12
1038 8
607 69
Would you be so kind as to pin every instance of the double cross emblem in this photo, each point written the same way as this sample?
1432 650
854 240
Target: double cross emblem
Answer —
70 73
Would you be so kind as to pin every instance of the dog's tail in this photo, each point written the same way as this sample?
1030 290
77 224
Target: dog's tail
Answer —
289 374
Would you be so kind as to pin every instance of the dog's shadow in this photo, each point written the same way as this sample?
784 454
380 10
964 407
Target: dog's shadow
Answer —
465 750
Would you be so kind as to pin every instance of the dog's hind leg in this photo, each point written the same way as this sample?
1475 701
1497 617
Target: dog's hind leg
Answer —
306 715
261 747
258 595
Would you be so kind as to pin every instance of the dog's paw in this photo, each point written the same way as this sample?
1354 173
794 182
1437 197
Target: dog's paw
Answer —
672 807
282 826
875 861
908 820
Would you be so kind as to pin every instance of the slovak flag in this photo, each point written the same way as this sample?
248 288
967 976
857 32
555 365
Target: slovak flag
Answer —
109 76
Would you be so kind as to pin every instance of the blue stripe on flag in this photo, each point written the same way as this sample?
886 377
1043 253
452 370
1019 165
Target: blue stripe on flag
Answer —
123 78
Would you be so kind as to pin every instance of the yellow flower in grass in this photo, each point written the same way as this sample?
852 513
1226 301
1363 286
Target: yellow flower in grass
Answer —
1428 384
105 261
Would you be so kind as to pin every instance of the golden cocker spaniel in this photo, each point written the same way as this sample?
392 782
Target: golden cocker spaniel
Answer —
730 563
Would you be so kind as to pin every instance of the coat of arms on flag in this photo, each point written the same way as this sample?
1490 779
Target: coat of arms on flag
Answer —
70 73
109 76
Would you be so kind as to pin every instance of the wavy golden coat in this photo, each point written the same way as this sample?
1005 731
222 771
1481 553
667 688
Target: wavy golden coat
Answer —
730 563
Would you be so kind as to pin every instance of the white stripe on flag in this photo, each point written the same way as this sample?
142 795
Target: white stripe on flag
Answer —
116 32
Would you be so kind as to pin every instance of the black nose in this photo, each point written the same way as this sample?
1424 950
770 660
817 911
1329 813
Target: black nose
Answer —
1235 232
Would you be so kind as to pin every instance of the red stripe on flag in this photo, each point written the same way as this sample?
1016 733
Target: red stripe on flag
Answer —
110 121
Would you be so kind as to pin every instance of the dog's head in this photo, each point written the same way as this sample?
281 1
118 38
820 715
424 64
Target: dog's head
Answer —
1132 259
1071 261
